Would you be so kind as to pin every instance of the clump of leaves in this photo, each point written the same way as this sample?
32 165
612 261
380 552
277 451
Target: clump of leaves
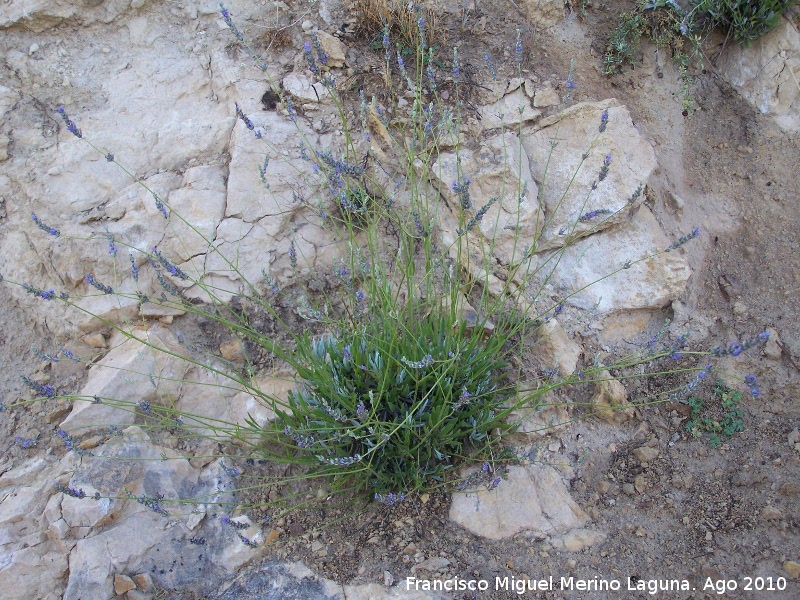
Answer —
745 20
397 403
720 417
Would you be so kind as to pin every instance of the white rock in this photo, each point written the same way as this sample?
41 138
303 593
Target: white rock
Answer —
132 371
764 73
506 111
532 499
650 284
303 89
498 169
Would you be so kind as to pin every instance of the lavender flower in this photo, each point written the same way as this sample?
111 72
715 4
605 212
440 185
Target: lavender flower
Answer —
51 230
346 354
490 66
322 56
385 40
360 296
247 541
71 127
110 157
96 284
603 120
172 269
690 387
262 169
585 217
69 491
518 48
112 247
340 461
462 189
292 255
430 75
246 120
361 411
456 67
153 504
44 391
682 240
45 294
144 405
390 499
25 442
229 22
160 205
134 268
427 361
604 169
235 524
636 193
478 217
340 166
310 60
292 111
421 29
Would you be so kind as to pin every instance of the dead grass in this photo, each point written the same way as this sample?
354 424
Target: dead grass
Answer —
372 15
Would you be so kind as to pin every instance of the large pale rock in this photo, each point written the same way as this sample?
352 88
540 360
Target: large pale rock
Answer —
39 15
568 177
532 499
31 565
498 169
577 275
200 203
512 109
133 371
250 198
766 73
543 13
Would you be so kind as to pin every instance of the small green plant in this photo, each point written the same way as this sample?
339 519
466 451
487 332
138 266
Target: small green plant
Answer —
745 20
720 417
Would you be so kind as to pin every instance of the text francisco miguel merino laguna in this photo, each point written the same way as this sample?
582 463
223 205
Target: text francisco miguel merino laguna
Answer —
521 586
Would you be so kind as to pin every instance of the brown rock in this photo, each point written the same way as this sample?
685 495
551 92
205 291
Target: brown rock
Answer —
123 583
143 581
95 340
233 351
646 454
272 536
611 400
792 568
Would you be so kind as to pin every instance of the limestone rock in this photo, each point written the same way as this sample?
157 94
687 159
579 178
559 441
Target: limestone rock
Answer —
763 73
649 284
553 348
334 48
133 371
511 109
532 499
567 194
303 89
611 400
44 14
498 170
543 13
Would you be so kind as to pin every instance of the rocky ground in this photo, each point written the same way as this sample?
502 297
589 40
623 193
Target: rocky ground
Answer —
628 496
